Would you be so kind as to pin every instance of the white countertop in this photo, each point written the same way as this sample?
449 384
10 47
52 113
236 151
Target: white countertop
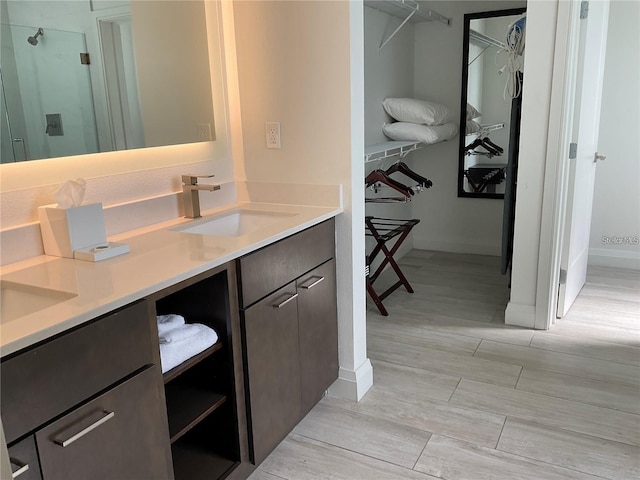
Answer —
158 259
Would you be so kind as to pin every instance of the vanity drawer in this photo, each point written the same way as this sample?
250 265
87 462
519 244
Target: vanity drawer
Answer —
49 379
273 266
120 435
24 460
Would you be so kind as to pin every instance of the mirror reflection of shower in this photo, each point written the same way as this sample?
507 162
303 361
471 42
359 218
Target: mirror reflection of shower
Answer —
43 80
34 40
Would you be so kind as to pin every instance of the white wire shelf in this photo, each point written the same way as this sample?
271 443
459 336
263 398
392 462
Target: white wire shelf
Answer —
380 151
411 11
485 39
487 128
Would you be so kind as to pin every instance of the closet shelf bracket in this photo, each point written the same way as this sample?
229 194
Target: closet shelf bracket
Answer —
408 11
381 151
484 40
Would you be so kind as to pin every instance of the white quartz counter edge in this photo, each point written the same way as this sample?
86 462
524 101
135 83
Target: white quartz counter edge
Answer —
159 258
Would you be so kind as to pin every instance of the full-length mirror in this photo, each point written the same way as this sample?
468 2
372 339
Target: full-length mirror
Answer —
90 76
491 87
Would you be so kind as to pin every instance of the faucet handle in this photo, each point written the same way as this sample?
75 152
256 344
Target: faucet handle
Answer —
193 179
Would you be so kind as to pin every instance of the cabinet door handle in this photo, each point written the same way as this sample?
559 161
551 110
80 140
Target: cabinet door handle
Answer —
65 443
284 302
20 468
310 286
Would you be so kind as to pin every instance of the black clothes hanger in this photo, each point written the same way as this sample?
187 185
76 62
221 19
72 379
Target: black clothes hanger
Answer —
487 143
402 167
380 176
488 151
476 143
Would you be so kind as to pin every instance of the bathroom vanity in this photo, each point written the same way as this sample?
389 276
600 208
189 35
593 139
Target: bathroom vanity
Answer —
83 394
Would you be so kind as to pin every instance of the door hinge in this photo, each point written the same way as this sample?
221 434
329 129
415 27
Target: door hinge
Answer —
573 151
85 59
584 10
563 276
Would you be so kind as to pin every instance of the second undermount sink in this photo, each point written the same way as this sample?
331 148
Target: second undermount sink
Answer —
233 223
18 300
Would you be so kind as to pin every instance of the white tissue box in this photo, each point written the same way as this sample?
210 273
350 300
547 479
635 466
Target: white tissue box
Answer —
67 229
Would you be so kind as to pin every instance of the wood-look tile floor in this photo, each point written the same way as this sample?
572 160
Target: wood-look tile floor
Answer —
458 395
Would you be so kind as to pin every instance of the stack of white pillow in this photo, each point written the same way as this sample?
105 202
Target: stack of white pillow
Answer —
419 120
472 125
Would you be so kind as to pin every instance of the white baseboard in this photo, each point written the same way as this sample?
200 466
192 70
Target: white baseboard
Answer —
352 385
603 257
423 243
520 315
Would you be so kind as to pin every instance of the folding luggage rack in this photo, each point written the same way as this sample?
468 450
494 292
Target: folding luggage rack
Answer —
383 230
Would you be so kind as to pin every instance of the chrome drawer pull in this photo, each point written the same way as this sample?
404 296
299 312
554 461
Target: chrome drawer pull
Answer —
282 304
65 443
22 467
307 287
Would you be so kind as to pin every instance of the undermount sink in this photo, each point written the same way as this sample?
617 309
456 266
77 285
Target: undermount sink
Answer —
18 300
234 223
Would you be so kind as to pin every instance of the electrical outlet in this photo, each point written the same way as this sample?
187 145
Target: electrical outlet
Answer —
273 134
204 132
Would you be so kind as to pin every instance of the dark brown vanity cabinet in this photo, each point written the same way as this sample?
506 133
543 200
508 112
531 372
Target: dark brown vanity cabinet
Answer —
117 435
89 401
289 325
207 438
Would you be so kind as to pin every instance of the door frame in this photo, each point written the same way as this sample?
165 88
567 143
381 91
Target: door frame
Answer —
556 183
556 175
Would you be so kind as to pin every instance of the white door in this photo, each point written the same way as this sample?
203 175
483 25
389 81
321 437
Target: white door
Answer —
575 247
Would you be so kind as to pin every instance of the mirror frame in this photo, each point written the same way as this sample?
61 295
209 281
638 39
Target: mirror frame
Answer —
463 105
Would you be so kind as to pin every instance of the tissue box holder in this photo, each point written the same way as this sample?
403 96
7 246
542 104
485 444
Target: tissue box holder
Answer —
66 231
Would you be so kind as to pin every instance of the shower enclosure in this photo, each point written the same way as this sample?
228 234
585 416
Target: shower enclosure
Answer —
47 103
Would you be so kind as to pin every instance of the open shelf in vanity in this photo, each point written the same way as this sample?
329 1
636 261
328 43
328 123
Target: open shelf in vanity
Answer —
200 393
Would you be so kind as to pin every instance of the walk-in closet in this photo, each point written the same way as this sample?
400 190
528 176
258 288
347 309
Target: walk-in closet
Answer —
442 89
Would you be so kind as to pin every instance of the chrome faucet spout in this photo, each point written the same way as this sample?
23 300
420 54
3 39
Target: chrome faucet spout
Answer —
190 195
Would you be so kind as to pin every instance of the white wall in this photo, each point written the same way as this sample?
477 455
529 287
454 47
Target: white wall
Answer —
449 223
616 200
168 46
295 67
536 107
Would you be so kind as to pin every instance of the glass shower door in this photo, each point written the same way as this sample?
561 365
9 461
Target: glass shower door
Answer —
47 81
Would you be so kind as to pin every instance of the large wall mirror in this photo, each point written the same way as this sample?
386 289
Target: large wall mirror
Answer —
491 99
145 82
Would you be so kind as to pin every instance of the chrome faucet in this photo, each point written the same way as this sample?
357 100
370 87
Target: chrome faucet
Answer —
190 195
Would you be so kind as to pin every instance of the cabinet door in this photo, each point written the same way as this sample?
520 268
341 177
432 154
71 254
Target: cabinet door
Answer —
273 369
24 460
318 327
120 435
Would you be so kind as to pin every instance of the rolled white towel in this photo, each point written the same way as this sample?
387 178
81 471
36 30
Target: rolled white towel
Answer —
168 322
183 342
